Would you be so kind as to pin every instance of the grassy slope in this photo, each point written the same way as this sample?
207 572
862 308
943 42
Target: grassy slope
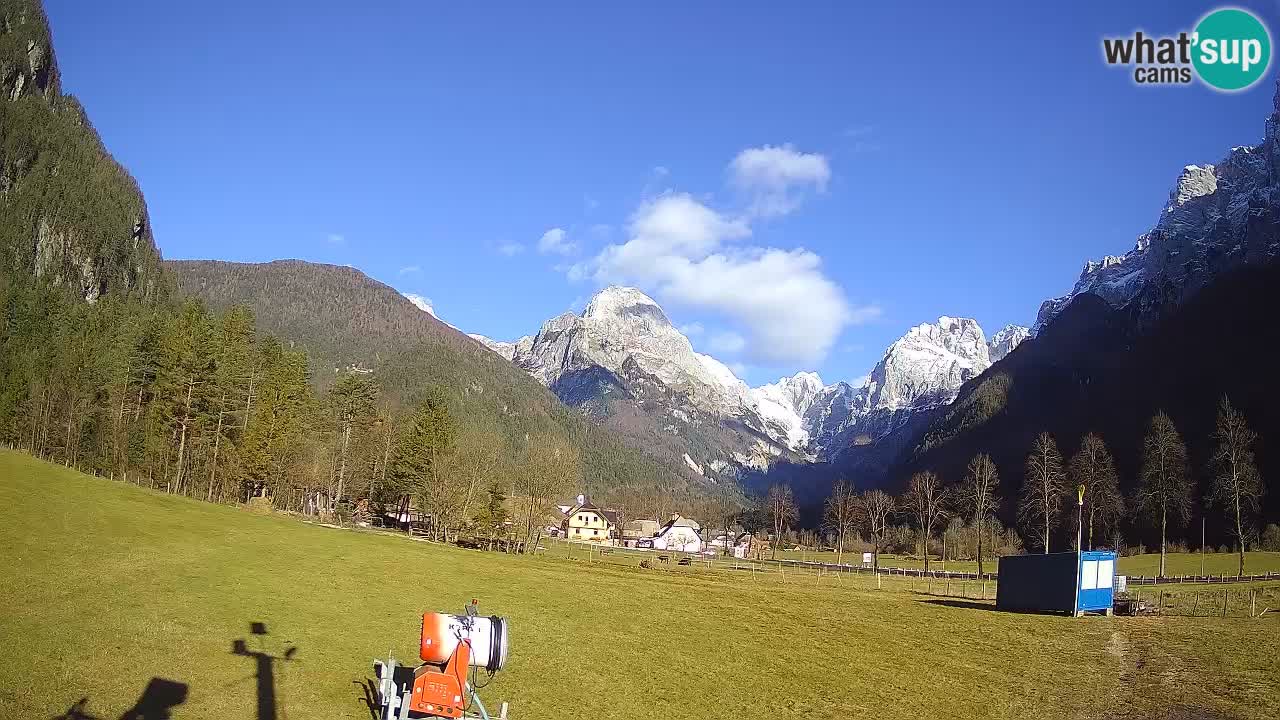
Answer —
106 585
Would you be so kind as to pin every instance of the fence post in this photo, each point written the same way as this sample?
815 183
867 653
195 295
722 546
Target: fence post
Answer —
1224 602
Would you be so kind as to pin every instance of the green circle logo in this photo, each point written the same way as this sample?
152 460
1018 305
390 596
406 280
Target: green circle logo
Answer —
1232 49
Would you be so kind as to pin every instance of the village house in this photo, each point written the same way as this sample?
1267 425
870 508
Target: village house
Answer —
679 534
748 547
639 533
588 523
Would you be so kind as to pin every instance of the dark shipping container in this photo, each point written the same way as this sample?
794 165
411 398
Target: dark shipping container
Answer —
1055 583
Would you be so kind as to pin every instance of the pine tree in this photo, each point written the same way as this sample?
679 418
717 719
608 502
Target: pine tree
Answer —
353 402
426 437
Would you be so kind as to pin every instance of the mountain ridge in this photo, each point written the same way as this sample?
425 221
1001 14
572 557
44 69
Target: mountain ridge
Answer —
344 319
642 359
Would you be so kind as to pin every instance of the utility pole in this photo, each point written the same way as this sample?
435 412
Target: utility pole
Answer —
1201 545
1079 521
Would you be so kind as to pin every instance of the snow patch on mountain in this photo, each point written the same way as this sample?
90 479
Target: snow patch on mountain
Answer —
506 349
693 465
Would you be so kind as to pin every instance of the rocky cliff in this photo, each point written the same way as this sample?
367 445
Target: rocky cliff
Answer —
69 214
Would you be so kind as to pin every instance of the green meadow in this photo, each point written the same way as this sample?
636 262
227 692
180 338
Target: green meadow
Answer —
105 586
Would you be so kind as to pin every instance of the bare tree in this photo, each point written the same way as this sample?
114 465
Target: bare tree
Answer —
842 514
876 507
726 506
781 506
472 467
1164 488
551 467
1093 468
1042 490
978 495
1237 486
926 498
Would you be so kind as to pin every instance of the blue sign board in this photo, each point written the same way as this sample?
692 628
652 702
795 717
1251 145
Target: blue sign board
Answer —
1096 580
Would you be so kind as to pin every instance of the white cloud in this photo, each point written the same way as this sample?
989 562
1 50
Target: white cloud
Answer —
727 342
335 239
859 381
692 329
688 254
775 176
423 303
738 369
555 240
410 269
510 249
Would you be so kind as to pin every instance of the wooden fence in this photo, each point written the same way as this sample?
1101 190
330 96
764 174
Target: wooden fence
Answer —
1178 579
1208 602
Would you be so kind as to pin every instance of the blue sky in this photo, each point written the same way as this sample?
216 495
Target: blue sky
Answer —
802 181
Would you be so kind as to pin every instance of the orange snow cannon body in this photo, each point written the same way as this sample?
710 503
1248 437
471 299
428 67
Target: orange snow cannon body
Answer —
452 649
439 685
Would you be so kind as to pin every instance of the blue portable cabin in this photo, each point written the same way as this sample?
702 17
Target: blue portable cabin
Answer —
1064 582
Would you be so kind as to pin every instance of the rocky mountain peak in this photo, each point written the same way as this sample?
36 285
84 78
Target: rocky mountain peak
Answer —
960 336
1004 341
624 302
1195 181
1218 217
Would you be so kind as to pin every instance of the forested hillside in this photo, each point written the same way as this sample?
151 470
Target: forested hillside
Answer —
340 318
105 368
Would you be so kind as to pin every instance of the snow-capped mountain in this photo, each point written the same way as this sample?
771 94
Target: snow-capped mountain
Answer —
622 362
1215 220
786 404
923 369
623 328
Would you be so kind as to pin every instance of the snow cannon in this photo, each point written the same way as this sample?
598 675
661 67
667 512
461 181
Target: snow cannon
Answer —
483 640
453 649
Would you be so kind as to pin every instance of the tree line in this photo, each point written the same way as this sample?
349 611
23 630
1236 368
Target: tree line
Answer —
173 397
1081 495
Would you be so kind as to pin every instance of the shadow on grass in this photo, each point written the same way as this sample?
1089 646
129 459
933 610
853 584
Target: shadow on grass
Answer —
988 606
369 695
965 604
157 702
369 689
265 667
